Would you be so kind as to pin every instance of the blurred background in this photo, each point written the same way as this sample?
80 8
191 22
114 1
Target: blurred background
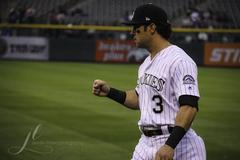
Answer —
52 50
79 24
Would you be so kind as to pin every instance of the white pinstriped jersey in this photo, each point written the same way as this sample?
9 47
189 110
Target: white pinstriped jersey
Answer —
161 81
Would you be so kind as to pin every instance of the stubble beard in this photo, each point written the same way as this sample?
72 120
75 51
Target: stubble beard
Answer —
142 45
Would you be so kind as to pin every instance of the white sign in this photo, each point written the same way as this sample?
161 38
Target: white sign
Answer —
32 48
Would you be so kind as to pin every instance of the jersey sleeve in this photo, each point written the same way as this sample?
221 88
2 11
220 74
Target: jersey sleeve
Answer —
138 80
137 87
185 79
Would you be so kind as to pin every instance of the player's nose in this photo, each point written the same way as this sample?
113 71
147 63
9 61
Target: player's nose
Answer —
132 31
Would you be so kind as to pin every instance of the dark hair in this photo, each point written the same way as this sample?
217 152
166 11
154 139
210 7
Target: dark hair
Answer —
164 30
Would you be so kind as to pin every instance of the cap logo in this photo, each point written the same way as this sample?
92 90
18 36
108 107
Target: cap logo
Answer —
147 19
131 17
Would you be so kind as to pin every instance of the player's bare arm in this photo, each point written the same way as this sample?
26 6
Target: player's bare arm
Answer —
184 119
185 116
131 99
102 89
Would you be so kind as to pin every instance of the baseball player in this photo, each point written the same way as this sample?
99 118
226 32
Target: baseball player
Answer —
166 93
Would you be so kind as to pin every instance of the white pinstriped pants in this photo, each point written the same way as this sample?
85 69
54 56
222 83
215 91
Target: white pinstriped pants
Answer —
191 147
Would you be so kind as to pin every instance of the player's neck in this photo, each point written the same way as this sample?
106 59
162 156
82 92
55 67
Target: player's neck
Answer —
157 46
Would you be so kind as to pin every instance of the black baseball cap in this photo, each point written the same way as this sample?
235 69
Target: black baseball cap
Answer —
146 14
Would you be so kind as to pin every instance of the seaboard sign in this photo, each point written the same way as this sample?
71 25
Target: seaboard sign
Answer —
31 48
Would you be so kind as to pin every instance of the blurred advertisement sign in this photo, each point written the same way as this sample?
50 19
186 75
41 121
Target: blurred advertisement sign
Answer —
222 54
118 51
32 48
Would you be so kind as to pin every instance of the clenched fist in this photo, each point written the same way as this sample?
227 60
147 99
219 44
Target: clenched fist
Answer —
165 153
100 88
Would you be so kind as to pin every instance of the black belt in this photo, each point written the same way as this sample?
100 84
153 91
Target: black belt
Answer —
151 130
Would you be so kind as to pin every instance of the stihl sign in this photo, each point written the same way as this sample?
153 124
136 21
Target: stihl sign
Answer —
225 55
219 54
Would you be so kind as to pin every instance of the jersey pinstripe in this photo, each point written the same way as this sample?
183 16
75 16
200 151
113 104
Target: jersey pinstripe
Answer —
161 81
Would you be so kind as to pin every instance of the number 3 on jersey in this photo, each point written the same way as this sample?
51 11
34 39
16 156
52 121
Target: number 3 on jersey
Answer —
158 100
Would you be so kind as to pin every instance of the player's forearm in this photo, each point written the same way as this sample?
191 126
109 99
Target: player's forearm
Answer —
131 100
184 119
185 116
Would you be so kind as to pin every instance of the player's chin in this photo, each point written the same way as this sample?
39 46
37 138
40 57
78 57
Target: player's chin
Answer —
140 46
137 44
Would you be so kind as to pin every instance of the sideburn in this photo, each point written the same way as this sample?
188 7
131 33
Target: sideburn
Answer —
145 29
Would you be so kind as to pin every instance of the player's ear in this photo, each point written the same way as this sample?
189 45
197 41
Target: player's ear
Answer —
153 28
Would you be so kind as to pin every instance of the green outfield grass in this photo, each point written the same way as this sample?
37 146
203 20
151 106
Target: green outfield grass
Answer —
49 107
